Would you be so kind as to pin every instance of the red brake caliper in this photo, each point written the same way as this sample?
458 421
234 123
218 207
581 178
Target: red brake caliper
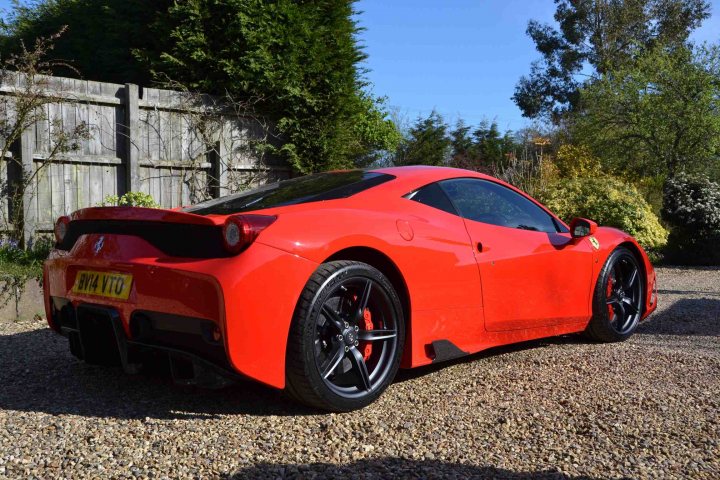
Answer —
367 350
608 292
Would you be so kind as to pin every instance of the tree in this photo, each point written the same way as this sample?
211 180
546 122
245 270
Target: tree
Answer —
656 115
299 63
597 37
481 149
493 147
372 135
427 143
300 59
463 146
100 39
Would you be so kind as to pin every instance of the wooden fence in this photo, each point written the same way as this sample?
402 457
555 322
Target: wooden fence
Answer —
179 148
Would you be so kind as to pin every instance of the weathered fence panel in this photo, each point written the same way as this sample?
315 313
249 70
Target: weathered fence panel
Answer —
160 142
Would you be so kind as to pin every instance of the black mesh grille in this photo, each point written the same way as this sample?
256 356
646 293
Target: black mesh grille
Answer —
173 239
192 335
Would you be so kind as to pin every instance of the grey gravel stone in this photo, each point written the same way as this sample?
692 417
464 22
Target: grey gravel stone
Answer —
558 408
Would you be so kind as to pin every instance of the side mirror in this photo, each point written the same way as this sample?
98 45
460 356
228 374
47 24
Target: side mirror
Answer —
582 227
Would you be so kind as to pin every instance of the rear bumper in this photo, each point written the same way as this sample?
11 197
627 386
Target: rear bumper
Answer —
248 300
184 348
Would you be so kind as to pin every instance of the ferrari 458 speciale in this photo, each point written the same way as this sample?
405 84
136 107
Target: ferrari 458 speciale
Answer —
325 285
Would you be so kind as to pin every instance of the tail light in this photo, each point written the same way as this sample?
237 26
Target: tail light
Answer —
61 229
240 231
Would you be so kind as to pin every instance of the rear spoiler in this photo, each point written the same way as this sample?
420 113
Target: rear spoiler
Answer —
176 234
142 214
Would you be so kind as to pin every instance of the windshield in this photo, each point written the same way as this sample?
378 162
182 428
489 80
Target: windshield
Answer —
310 188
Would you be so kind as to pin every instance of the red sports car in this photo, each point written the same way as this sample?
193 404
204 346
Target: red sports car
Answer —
325 285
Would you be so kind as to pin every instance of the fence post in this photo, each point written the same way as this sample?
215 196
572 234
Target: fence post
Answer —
26 159
218 178
132 116
223 164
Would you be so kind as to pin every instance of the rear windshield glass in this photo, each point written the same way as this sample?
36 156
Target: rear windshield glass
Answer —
310 188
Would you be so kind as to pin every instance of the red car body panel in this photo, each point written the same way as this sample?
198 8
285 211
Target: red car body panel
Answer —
520 285
232 292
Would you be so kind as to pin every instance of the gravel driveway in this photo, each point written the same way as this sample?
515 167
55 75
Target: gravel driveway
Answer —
559 408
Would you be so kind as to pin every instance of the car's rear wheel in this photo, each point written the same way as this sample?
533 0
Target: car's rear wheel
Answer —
346 339
618 299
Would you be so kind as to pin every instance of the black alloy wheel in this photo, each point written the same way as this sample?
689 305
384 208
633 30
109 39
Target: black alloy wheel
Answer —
345 345
619 298
624 295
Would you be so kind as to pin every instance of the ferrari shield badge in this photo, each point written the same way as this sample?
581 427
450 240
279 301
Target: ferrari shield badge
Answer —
595 243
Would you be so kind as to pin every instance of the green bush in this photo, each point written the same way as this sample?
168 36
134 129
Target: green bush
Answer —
692 209
20 263
610 202
130 199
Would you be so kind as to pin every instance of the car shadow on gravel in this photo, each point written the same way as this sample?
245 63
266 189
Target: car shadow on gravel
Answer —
391 467
38 373
687 317
573 339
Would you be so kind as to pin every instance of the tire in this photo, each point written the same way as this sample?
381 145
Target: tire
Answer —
346 338
618 299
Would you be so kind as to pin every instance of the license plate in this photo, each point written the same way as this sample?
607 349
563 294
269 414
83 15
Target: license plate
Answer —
111 285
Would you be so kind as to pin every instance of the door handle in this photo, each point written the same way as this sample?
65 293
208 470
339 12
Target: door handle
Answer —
479 247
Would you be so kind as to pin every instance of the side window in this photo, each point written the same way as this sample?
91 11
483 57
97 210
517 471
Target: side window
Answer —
489 202
433 196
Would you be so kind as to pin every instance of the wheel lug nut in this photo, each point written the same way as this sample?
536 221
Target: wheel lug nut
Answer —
357 328
347 349
339 337
357 343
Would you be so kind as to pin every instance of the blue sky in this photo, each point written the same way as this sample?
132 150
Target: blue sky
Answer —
461 57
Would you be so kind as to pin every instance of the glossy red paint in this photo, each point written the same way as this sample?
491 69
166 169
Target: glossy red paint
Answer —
525 277
519 285
144 214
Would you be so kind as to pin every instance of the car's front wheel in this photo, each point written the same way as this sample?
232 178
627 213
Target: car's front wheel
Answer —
346 339
618 299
